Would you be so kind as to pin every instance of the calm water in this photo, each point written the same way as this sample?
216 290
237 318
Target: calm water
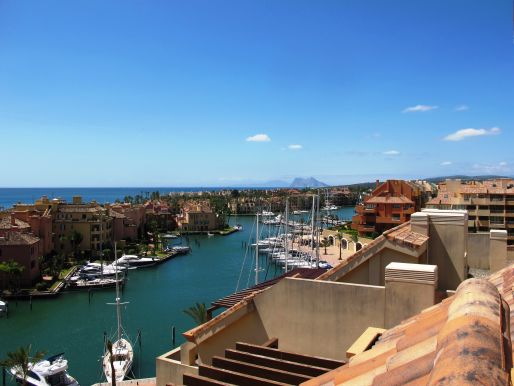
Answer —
157 296
11 196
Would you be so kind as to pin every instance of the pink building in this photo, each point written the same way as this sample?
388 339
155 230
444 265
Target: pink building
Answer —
17 244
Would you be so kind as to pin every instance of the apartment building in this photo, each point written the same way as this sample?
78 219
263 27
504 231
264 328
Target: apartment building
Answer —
490 203
391 203
90 220
197 216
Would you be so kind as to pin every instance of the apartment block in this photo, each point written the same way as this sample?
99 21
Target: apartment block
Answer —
197 216
490 204
390 204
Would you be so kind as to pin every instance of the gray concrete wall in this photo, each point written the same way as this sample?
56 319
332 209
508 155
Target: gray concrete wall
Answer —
478 250
305 314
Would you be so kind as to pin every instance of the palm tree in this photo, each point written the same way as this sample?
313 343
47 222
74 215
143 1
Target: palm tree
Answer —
339 237
198 313
76 238
325 243
20 359
13 271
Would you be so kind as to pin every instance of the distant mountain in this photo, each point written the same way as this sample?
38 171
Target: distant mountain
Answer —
310 182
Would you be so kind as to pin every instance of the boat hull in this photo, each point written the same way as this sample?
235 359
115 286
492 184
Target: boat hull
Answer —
122 361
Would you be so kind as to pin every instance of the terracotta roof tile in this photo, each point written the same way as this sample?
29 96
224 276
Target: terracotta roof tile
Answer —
459 341
404 236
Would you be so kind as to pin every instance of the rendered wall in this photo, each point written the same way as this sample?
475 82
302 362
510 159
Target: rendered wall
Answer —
247 329
305 314
170 370
478 250
447 247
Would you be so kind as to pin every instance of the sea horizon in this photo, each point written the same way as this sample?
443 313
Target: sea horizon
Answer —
12 196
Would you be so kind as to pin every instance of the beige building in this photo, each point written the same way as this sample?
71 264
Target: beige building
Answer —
490 204
90 220
317 329
197 216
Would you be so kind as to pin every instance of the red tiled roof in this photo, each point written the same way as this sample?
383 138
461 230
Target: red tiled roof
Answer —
388 200
457 342
404 236
18 238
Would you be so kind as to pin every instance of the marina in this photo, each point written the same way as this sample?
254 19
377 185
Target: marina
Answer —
158 295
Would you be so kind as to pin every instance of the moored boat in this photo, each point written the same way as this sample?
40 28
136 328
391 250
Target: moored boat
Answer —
48 372
135 261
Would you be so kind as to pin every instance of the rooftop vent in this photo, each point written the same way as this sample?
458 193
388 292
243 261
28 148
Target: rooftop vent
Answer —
411 273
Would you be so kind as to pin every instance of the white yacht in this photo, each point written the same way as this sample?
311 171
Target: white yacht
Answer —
134 261
48 372
3 307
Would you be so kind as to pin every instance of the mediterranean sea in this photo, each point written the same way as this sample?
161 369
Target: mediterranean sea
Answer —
11 196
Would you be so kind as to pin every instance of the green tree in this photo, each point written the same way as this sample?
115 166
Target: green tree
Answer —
198 313
12 270
76 238
21 360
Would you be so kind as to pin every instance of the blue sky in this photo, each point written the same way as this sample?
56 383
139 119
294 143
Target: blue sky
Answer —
185 93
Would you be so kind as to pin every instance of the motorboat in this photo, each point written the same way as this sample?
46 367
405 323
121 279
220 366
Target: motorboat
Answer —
80 283
3 307
180 249
238 227
48 372
266 213
169 236
135 261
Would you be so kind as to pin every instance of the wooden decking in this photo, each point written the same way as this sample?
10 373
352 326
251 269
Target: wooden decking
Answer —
260 365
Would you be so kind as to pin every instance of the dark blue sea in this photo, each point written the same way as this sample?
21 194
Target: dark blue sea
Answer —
11 196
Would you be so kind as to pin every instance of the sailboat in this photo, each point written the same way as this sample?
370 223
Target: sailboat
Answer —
122 352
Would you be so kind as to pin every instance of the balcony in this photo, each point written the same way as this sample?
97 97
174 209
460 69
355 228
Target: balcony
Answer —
483 223
389 220
480 201
366 228
483 212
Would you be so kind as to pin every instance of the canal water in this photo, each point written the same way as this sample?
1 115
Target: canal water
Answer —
157 296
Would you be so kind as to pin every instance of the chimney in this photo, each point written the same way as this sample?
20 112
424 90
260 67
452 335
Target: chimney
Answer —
409 289
13 220
377 183
77 200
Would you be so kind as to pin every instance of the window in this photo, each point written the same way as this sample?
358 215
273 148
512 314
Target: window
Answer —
396 217
396 206
496 220
466 197
32 264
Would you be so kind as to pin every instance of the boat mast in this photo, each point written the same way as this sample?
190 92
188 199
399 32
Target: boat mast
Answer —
312 221
287 230
318 234
257 250
118 313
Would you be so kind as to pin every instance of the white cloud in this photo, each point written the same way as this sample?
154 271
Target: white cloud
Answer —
461 108
500 167
419 108
259 138
446 163
391 152
295 147
459 135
